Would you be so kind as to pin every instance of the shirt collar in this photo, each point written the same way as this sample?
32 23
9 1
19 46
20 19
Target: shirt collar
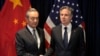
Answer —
69 26
30 29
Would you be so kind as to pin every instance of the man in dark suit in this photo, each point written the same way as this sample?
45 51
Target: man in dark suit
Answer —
30 41
66 40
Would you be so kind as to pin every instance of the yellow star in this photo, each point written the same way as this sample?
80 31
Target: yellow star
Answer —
23 23
16 2
15 21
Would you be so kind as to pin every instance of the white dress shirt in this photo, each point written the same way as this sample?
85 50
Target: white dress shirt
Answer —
69 27
37 35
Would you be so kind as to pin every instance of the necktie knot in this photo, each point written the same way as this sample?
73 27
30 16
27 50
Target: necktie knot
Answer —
33 30
65 28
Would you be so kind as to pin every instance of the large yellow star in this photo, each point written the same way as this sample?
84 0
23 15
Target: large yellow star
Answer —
15 3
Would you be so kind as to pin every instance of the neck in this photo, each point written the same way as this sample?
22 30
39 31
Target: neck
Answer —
65 24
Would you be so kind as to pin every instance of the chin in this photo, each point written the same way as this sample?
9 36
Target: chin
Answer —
33 26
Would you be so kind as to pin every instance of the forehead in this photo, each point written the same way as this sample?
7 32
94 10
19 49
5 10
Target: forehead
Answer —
65 11
33 13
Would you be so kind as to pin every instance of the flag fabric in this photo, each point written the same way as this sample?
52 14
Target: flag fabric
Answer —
53 18
12 18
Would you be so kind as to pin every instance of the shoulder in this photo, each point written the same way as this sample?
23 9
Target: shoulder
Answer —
78 29
23 30
21 33
39 29
56 28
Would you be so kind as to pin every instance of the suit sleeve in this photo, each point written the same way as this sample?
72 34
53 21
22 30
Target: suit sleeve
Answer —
82 44
20 47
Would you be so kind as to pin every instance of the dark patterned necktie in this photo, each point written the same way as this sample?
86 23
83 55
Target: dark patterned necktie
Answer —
34 35
65 40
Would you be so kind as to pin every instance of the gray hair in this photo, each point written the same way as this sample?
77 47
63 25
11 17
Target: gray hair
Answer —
67 7
30 10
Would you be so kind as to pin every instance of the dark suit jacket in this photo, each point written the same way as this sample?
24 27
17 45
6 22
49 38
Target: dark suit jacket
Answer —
76 46
25 44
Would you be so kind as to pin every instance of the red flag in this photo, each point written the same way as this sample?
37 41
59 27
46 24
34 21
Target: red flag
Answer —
12 18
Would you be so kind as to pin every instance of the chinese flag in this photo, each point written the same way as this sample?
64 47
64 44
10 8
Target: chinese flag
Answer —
12 18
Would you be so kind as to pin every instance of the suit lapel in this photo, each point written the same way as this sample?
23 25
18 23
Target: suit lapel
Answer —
59 37
29 35
73 31
40 35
